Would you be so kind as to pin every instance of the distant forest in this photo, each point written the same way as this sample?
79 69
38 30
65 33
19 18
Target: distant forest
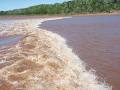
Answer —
69 7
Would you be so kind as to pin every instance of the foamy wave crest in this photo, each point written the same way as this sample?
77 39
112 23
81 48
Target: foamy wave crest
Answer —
43 61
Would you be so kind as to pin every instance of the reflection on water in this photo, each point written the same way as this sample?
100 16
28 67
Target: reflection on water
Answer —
96 39
9 40
6 22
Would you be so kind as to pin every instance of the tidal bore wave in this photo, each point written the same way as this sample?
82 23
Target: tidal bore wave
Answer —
42 61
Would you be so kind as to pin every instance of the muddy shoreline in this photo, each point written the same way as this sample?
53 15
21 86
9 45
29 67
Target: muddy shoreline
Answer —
10 17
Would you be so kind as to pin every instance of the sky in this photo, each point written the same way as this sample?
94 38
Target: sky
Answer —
16 4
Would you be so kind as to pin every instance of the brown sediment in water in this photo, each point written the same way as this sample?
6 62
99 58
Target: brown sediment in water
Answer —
43 61
96 39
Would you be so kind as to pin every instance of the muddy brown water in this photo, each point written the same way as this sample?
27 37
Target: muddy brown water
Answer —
5 43
96 40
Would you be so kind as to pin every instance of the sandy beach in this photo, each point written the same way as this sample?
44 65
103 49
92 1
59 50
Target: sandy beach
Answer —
41 60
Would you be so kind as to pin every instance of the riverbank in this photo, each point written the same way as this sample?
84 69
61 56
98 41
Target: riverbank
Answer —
43 61
9 17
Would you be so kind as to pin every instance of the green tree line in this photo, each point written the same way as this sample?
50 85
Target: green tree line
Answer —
69 7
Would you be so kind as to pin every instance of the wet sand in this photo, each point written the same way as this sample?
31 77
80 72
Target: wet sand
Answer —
96 39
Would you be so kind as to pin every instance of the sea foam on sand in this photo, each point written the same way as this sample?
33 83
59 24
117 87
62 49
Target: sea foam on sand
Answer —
43 61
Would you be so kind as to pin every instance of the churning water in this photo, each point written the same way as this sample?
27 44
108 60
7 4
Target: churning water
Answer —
96 39
42 61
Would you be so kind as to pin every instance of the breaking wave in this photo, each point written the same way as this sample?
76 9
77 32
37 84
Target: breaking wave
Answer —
43 61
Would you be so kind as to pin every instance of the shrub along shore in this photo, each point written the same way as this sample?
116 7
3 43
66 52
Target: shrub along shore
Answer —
68 8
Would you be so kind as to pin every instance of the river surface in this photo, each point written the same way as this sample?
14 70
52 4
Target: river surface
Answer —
6 41
96 40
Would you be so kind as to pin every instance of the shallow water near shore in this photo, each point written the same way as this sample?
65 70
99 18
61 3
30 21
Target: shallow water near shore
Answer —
96 39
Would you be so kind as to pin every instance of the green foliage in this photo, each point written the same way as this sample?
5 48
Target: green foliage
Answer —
70 7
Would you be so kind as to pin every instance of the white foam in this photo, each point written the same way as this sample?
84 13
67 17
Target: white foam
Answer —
74 75
3 61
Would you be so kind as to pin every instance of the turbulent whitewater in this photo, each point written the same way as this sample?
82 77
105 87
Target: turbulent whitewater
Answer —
41 60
